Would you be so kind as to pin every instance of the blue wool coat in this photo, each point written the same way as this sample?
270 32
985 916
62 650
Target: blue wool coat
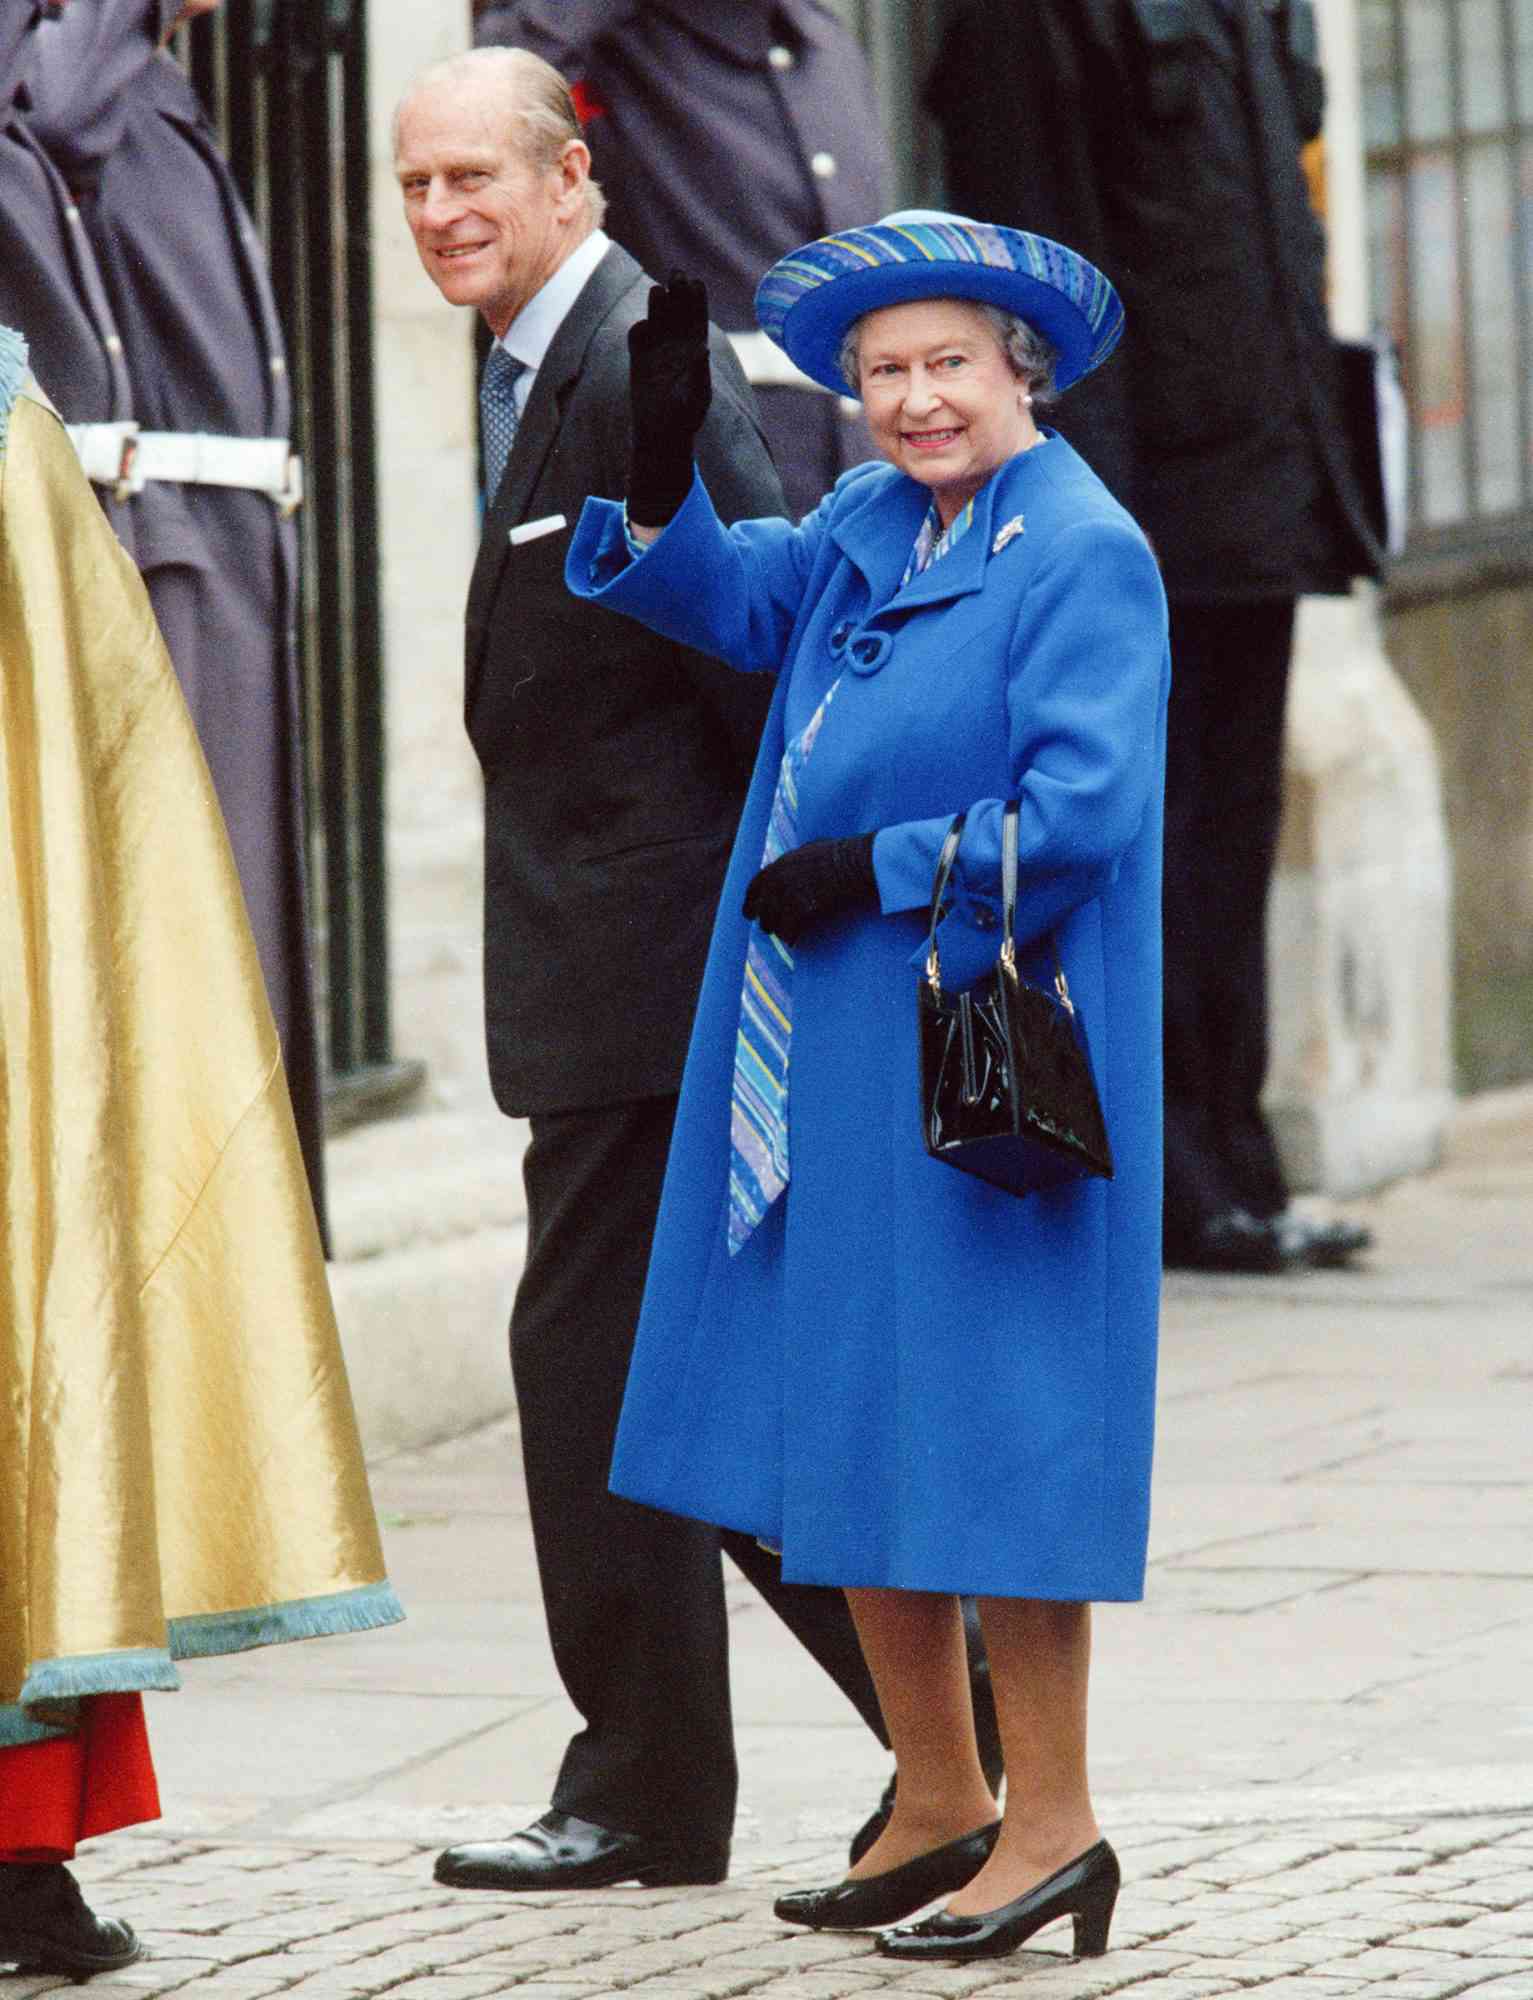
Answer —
907 1377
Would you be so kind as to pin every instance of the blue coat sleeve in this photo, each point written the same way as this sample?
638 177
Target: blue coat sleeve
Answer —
1086 677
734 593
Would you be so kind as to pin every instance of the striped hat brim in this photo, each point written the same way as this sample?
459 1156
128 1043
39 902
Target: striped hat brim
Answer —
809 299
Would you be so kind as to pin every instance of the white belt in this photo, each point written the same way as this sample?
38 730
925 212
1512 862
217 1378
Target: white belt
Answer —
125 458
767 367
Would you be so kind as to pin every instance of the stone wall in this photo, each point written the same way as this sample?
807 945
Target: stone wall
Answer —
1466 655
1359 1085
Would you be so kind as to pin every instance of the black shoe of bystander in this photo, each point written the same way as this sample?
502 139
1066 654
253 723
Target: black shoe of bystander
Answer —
46 1925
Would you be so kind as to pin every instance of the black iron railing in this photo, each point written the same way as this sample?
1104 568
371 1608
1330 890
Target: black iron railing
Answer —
286 82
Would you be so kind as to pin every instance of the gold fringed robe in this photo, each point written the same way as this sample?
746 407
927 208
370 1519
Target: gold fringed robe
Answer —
179 1464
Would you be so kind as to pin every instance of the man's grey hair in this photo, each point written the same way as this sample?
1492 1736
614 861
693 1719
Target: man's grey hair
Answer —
540 111
1033 359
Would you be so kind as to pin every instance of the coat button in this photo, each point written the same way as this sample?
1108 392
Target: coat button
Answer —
780 57
823 165
839 636
870 652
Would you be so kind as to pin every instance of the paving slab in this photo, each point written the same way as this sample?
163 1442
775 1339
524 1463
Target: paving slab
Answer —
1313 1744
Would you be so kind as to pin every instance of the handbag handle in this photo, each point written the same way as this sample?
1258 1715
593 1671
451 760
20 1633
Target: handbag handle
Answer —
947 855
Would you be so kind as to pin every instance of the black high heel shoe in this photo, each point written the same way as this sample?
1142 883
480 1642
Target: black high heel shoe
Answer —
1084 1889
884 1899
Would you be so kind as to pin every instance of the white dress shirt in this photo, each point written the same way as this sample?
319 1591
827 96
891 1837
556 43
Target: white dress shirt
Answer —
529 336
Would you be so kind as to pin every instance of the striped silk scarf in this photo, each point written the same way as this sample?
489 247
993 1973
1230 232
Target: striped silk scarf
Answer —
758 1116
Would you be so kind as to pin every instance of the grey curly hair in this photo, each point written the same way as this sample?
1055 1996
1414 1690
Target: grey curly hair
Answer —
1033 359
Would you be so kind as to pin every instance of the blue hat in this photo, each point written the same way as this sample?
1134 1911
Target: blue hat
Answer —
809 298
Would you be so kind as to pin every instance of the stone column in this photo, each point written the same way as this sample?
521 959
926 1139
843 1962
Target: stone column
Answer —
1360 1081
428 534
426 1206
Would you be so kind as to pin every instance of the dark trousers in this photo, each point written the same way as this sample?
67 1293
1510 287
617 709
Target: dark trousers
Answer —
1224 801
634 1597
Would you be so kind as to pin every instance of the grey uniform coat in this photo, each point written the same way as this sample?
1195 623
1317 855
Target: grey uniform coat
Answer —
615 762
723 137
50 284
193 299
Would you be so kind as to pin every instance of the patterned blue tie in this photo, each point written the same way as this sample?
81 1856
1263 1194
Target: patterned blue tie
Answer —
498 414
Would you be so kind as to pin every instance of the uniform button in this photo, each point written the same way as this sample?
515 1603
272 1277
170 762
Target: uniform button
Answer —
824 164
71 214
278 365
779 57
112 344
840 635
983 920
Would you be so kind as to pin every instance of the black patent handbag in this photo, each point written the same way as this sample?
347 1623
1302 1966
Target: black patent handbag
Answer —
1007 1091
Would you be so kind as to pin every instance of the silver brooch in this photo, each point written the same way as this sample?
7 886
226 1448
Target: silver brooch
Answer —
1014 527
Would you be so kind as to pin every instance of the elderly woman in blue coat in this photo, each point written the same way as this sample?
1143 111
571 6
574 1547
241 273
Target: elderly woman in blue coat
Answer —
913 1383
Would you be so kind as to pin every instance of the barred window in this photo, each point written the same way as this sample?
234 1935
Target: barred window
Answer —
1448 116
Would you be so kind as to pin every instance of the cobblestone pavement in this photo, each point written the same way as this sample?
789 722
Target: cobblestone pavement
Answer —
1312 1745
1403 1908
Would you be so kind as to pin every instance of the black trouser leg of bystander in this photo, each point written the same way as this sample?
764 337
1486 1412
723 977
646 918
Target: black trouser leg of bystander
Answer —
634 1598
1224 800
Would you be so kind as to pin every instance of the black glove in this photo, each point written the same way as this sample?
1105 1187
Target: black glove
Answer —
669 390
809 883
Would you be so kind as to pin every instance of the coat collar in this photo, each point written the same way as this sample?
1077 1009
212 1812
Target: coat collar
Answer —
613 278
877 533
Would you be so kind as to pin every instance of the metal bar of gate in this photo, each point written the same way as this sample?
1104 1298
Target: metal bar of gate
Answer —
286 83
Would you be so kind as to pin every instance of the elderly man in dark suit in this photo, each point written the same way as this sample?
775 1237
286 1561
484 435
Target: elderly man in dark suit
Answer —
615 765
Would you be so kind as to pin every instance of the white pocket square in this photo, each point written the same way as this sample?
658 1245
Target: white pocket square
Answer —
529 531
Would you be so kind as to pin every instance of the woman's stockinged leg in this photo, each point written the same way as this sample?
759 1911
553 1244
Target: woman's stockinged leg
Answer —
913 1642
1040 1666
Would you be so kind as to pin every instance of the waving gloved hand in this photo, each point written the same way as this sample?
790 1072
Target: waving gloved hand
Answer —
668 391
823 878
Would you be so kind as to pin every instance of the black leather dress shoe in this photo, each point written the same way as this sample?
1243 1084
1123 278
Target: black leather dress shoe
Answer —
47 1926
559 1851
1327 1243
884 1899
1233 1240
1085 1889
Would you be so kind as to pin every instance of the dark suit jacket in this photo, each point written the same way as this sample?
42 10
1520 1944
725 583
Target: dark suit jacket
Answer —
615 763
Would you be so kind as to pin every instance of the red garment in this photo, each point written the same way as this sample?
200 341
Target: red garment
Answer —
56 1794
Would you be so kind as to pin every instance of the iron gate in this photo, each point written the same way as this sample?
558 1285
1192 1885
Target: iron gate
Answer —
286 84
